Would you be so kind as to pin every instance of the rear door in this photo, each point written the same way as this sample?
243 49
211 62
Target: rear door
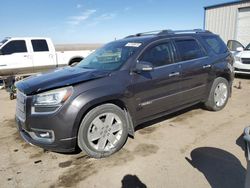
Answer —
43 57
195 68
15 58
158 90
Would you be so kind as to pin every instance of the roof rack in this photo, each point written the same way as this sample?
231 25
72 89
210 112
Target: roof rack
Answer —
183 31
168 32
145 33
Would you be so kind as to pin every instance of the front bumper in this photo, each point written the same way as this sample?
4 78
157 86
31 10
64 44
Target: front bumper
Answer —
240 68
57 145
55 131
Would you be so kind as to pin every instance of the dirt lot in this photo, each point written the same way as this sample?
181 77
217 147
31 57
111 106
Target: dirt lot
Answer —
194 148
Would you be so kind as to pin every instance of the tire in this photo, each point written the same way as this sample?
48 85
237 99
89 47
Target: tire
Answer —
103 131
73 64
219 94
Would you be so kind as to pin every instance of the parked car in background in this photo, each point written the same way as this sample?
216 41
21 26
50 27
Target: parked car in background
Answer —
242 56
97 103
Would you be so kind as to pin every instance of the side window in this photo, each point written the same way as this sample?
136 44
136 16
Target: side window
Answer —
215 43
15 46
159 55
39 45
189 49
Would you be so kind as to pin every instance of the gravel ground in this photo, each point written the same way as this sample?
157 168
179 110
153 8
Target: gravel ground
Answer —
193 148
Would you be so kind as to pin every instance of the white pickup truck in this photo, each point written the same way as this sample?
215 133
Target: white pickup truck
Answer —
242 57
26 56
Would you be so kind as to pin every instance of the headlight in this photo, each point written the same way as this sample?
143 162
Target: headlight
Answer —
50 101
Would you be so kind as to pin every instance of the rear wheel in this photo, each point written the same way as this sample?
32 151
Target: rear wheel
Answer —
103 131
218 95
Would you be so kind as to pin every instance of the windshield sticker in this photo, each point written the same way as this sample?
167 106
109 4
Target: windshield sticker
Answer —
133 44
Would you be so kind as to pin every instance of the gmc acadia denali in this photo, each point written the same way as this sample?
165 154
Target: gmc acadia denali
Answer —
96 104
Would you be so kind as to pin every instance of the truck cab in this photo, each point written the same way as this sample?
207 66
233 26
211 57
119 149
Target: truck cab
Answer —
26 55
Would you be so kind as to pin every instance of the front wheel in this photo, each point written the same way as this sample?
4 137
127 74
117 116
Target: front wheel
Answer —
218 95
103 131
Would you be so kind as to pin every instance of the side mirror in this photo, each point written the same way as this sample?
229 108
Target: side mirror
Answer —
144 66
239 49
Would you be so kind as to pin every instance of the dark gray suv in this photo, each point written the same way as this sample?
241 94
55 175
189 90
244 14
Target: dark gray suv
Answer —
96 104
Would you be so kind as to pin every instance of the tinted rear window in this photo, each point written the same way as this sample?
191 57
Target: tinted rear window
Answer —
189 49
216 44
40 45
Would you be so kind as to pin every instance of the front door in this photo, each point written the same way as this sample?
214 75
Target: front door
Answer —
158 90
15 58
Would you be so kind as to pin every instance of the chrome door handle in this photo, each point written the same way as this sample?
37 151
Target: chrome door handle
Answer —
174 74
206 66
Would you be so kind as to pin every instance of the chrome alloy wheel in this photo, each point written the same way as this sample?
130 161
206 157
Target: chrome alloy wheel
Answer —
220 94
105 132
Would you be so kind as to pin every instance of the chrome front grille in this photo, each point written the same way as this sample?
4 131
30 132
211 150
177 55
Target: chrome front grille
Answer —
245 60
21 106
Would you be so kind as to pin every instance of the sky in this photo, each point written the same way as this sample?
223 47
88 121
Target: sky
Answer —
97 21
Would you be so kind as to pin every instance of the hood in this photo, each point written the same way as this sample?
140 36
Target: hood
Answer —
58 78
244 54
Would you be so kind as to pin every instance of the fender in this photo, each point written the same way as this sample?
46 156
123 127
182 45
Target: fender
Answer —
97 96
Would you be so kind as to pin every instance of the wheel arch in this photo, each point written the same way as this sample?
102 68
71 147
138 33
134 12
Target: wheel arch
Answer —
75 59
226 76
87 107
229 77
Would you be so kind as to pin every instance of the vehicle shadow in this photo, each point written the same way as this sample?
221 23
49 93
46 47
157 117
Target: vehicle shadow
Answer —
221 168
172 115
132 181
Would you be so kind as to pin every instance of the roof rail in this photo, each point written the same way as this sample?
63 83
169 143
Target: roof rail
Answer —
168 32
145 33
183 31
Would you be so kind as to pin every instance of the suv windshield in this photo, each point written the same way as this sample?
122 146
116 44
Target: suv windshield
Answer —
110 57
3 41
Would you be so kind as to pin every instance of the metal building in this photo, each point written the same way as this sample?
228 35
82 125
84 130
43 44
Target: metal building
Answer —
230 20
